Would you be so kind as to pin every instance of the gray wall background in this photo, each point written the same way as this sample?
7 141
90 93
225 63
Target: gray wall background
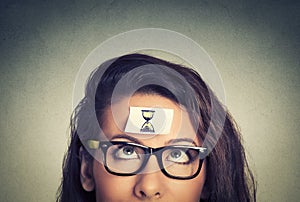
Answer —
254 44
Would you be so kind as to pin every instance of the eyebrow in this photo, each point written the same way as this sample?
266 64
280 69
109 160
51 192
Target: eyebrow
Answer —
181 140
135 140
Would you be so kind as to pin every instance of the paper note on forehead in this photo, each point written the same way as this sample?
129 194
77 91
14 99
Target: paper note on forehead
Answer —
145 120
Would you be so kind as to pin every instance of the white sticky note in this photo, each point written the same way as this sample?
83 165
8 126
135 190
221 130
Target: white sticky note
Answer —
145 120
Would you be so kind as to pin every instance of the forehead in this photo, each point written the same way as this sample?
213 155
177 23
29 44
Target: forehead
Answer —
116 116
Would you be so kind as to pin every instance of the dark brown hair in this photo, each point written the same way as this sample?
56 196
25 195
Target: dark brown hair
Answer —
228 176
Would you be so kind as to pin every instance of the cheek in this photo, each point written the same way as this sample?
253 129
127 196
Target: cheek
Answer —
189 190
110 187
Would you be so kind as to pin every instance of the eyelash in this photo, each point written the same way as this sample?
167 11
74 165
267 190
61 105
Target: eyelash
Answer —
121 149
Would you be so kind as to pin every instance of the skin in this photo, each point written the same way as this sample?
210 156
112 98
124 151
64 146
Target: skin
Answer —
151 184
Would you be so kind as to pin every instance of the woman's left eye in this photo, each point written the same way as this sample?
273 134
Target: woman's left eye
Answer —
178 156
126 153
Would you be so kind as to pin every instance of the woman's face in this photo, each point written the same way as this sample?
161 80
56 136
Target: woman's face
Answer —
151 184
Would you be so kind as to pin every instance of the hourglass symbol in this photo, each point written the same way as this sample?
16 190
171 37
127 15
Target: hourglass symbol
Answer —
147 126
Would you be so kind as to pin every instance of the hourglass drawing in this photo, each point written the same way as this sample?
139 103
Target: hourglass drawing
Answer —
147 126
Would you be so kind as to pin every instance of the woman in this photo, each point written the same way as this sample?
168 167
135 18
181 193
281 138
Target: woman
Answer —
189 162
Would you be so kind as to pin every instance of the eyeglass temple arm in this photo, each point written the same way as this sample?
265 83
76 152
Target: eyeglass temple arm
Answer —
93 144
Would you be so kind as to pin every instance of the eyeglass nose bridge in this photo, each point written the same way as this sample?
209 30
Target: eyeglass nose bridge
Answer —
157 152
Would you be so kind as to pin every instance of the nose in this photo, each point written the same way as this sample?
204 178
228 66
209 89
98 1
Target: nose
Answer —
149 184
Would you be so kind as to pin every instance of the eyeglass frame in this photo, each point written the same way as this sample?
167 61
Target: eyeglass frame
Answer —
148 152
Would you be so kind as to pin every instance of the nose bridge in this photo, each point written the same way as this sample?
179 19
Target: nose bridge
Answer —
149 182
152 164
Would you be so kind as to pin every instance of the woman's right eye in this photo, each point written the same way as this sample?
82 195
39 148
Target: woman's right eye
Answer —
126 153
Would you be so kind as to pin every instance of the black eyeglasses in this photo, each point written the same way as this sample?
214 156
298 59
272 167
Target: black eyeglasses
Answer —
127 158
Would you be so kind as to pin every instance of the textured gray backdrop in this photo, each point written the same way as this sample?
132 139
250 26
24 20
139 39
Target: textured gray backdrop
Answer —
254 44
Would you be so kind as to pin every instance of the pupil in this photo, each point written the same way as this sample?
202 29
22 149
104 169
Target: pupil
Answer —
176 154
127 150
